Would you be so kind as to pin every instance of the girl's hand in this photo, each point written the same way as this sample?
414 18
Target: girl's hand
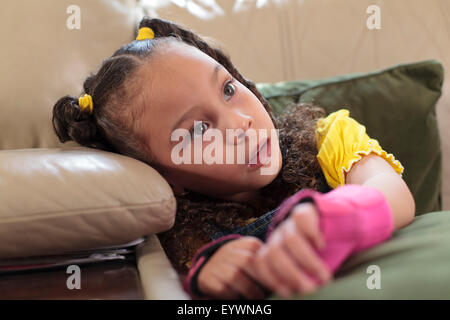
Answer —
287 261
228 273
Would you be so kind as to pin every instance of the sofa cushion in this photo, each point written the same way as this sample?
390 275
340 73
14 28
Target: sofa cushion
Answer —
397 106
60 200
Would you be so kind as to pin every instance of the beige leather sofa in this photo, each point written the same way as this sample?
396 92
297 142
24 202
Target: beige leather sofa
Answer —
57 198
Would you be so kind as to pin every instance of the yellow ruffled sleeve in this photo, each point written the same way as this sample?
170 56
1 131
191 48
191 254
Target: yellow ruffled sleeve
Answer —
341 142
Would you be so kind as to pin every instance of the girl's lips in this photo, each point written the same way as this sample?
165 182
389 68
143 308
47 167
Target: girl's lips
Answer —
262 157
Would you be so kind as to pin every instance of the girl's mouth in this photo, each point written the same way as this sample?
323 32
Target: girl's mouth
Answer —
263 156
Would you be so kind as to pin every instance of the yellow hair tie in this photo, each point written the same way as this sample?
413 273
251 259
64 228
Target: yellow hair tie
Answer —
145 33
85 102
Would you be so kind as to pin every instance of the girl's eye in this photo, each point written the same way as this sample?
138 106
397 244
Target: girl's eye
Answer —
200 128
229 89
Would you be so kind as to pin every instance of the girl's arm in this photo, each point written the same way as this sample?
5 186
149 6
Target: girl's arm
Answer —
376 172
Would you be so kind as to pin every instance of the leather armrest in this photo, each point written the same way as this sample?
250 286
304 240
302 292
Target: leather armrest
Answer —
59 200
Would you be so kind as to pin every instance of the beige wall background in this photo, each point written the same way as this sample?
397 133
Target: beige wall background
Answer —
275 40
41 60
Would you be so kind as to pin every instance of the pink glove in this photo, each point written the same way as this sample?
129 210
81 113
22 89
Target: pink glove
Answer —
351 217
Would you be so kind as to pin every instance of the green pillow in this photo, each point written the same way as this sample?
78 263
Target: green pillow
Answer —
397 107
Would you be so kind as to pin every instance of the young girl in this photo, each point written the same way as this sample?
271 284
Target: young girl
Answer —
239 233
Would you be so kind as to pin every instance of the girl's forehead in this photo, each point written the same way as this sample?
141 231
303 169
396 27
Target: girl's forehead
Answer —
177 73
176 78
174 83
181 61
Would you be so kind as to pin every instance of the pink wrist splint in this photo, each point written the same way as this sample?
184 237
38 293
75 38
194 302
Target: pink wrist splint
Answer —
351 217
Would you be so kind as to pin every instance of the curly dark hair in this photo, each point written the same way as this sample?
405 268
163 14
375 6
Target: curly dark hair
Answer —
112 127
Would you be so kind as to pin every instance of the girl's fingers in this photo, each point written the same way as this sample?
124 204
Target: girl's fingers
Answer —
210 282
238 275
228 293
246 286
283 265
220 290
247 263
301 250
248 243
306 217
264 274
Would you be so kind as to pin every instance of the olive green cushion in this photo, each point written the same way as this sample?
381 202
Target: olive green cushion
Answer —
397 106
413 264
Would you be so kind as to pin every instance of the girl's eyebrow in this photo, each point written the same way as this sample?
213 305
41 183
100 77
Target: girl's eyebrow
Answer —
215 73
214 79
185 116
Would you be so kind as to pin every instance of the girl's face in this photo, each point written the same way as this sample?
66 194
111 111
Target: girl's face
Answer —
181 84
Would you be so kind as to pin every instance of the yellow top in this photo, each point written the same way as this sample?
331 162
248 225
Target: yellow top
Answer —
341 142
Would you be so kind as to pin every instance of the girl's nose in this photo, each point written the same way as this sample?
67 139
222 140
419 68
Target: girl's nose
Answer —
242 121
239 123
